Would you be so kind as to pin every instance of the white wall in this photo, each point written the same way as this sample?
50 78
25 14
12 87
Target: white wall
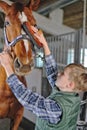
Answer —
53 24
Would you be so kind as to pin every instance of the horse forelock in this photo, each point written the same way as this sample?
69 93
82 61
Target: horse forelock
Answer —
18 6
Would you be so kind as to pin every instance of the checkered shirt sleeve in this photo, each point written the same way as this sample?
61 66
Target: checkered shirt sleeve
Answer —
51 69
44 108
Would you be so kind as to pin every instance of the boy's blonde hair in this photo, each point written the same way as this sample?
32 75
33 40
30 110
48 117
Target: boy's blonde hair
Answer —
78 75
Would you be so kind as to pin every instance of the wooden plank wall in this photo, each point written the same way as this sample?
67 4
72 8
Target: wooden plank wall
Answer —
73 15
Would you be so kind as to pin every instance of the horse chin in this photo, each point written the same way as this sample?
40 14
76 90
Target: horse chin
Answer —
23 70
21 73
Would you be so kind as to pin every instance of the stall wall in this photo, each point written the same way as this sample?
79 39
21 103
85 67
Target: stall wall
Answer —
34 82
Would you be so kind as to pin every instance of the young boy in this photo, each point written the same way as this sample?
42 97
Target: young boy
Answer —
60 110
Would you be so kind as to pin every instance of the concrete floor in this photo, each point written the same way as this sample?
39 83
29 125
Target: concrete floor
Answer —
25 124
4 124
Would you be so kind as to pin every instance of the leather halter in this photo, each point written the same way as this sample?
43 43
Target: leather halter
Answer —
27 36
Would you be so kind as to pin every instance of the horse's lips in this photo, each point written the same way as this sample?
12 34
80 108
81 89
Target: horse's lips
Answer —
23 70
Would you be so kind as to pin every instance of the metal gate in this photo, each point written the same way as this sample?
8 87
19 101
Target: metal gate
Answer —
66 48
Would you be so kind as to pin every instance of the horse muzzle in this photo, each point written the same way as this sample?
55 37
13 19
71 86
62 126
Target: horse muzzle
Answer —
23 69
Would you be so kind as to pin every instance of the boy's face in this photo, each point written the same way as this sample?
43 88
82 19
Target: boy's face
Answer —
63 82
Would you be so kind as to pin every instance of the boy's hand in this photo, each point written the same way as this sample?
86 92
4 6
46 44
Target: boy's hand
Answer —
39 35
6 62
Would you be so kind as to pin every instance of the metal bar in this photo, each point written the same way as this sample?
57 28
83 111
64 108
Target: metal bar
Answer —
57 4
84 31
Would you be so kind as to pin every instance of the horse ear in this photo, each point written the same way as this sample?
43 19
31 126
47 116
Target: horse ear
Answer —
4 7
34 4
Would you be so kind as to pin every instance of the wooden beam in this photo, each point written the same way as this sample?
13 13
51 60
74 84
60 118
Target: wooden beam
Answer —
73 15
73 8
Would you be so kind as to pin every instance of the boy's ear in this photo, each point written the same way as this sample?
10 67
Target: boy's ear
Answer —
71 85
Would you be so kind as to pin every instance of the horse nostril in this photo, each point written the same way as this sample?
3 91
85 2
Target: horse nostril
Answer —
17 63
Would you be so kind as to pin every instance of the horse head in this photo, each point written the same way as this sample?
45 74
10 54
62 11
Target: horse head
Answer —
17 18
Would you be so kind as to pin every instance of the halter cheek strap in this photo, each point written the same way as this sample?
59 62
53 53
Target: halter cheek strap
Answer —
18 38
28 36
30 33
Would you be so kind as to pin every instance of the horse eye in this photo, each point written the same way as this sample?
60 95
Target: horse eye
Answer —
6 23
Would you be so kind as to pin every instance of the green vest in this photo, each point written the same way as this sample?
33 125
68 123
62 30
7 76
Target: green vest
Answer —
70 104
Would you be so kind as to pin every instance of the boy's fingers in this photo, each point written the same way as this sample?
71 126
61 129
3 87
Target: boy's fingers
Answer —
34 29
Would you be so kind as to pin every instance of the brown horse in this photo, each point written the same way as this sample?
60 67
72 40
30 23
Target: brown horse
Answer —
18 19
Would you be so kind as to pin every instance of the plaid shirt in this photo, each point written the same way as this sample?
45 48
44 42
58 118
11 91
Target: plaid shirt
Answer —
51 69
44 108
